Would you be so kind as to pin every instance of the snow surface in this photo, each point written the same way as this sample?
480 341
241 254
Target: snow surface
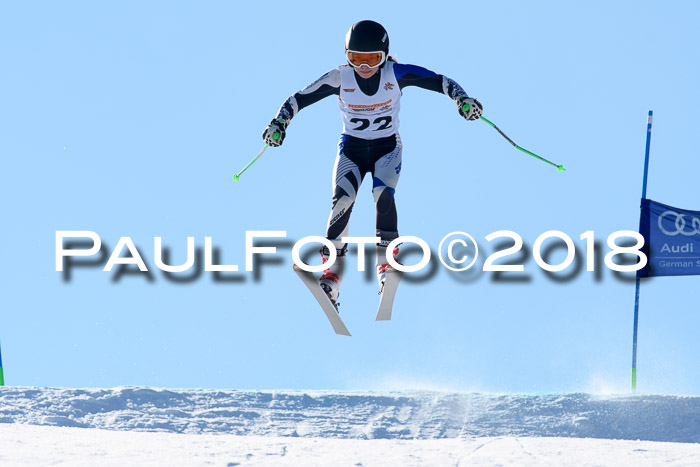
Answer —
146 426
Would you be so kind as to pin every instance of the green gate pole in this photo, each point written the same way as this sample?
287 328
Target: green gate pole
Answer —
2 375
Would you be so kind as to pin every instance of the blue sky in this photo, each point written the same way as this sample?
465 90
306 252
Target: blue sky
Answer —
129 119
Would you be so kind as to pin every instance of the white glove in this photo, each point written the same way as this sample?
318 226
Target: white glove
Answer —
469 107
275 132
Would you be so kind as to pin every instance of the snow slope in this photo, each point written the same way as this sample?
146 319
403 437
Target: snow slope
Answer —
22 445
146 426
362 415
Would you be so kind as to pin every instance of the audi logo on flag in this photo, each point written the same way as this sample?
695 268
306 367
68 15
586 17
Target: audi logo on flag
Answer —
683 224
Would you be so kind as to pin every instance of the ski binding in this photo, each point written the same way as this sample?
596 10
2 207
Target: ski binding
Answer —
388 293
326 304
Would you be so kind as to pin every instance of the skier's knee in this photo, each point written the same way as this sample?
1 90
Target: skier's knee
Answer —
344 194
384 199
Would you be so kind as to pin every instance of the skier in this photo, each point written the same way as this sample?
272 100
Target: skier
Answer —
369 91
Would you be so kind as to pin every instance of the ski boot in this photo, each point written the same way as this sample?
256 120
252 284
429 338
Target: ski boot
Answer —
382 264
331 277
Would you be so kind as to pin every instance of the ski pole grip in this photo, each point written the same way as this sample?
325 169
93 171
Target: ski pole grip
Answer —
276 135
465 107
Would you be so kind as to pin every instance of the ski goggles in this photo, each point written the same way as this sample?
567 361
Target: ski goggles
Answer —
371 59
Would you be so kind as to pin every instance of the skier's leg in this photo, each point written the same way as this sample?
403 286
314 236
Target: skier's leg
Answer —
331 277
385 178
347 177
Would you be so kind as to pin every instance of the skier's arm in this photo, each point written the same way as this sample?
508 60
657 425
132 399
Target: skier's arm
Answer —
413 75
325 86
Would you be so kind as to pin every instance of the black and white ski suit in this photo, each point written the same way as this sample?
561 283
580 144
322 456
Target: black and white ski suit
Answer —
370 141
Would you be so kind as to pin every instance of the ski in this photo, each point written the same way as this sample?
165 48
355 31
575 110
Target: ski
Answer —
386 302
328 308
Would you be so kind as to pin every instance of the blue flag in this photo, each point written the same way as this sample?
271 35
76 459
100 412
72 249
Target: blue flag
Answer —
671 240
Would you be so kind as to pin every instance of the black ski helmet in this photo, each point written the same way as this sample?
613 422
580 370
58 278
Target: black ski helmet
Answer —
367 36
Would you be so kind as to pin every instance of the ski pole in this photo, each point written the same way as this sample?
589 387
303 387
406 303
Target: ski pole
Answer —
559 167
237 176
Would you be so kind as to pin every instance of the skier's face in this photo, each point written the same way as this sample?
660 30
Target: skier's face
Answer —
365 72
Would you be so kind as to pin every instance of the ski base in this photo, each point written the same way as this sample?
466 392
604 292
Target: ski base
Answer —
386 303
328 308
